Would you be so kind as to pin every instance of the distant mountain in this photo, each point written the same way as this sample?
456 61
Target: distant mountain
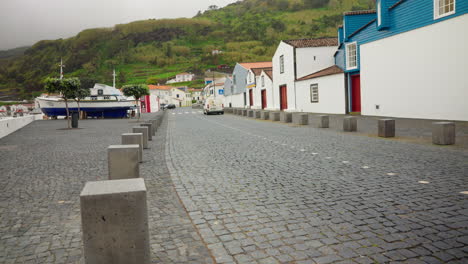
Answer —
13 52
152 51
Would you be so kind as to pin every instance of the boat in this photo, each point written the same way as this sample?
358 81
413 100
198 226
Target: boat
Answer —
104 102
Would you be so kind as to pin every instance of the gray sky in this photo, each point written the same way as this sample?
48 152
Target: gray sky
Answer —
24 22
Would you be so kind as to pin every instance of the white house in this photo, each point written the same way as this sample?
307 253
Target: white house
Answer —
171 95
295 59
184 77
239 91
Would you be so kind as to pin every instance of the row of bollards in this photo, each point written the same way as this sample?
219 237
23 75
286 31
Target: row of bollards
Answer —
114 213
443 133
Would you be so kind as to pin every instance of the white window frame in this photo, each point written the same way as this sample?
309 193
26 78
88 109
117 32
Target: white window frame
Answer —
348 67
379 13
436 9
314 93
281 61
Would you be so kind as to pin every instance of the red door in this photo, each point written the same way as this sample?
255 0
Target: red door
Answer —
283 97
251 97
264 99
356 93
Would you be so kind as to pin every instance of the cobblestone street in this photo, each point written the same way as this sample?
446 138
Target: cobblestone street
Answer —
264 192
229 189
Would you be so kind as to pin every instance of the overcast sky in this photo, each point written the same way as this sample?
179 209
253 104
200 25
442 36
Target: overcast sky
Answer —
24 22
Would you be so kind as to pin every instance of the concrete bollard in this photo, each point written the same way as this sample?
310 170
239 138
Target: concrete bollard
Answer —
244 112
123 161
386 127
350 124
134 139
155 124
324 121
250 113
443 133
275 116
300 118
150 130
114 219
265 115
286 117
257 114
144 131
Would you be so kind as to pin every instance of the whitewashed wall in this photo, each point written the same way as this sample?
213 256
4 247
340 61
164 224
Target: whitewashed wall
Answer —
331 90
237 100
418 74
306 63
286 78
11 124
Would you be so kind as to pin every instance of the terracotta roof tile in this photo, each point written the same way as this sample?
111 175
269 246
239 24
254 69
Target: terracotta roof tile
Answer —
255 65
317 42
258 71
327 71
359 12
159 87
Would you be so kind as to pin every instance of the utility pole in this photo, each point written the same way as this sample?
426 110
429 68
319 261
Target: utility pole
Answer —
113 75
61 68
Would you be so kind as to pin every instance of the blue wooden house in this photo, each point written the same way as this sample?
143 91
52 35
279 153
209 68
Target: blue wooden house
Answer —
407 58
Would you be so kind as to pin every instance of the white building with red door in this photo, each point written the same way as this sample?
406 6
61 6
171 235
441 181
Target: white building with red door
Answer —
296 59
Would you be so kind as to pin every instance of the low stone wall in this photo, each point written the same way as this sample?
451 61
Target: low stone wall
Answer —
11 124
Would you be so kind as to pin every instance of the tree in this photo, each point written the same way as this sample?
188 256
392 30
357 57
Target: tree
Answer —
65 87
137 91
81 93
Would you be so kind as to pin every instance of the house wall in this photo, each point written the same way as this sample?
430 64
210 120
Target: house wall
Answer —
237 100
286 78
306 63
331 90
418 75
228 87
240 73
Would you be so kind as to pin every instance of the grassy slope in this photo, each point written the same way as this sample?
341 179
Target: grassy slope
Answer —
159 49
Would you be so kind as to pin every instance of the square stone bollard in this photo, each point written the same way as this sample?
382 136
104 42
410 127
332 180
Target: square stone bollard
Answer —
123 161
155 125
275 116
134 139
150 130
443 133
257 114
250 113
144 131
265 115
286 117
244 112
350 124
386 128
114 219
324 121
300 118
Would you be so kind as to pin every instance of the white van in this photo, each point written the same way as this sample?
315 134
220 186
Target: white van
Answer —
213 106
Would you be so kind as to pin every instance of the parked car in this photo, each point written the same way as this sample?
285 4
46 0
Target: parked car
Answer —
213 106
170 106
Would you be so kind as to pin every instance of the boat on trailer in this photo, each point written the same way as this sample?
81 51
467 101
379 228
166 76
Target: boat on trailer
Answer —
104 102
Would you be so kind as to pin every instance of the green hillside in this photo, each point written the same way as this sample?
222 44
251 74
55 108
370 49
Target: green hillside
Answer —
152 51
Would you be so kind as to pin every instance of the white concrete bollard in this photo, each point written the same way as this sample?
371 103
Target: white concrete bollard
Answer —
443 133
150 130
114 219
134 138
144 131
123 161
350 124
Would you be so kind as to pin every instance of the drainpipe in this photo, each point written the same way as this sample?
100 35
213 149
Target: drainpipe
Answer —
295 77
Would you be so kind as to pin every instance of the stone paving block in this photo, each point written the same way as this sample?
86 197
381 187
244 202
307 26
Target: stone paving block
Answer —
285 117
300 118
144 131
386 127
324 121
350 124
150 130
134 138
265 115
123 161
114 217
443 133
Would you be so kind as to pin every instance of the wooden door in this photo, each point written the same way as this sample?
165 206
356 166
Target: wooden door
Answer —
356 93
283 97
264 99
251 97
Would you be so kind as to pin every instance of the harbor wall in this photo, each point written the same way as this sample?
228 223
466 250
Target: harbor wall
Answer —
11 124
